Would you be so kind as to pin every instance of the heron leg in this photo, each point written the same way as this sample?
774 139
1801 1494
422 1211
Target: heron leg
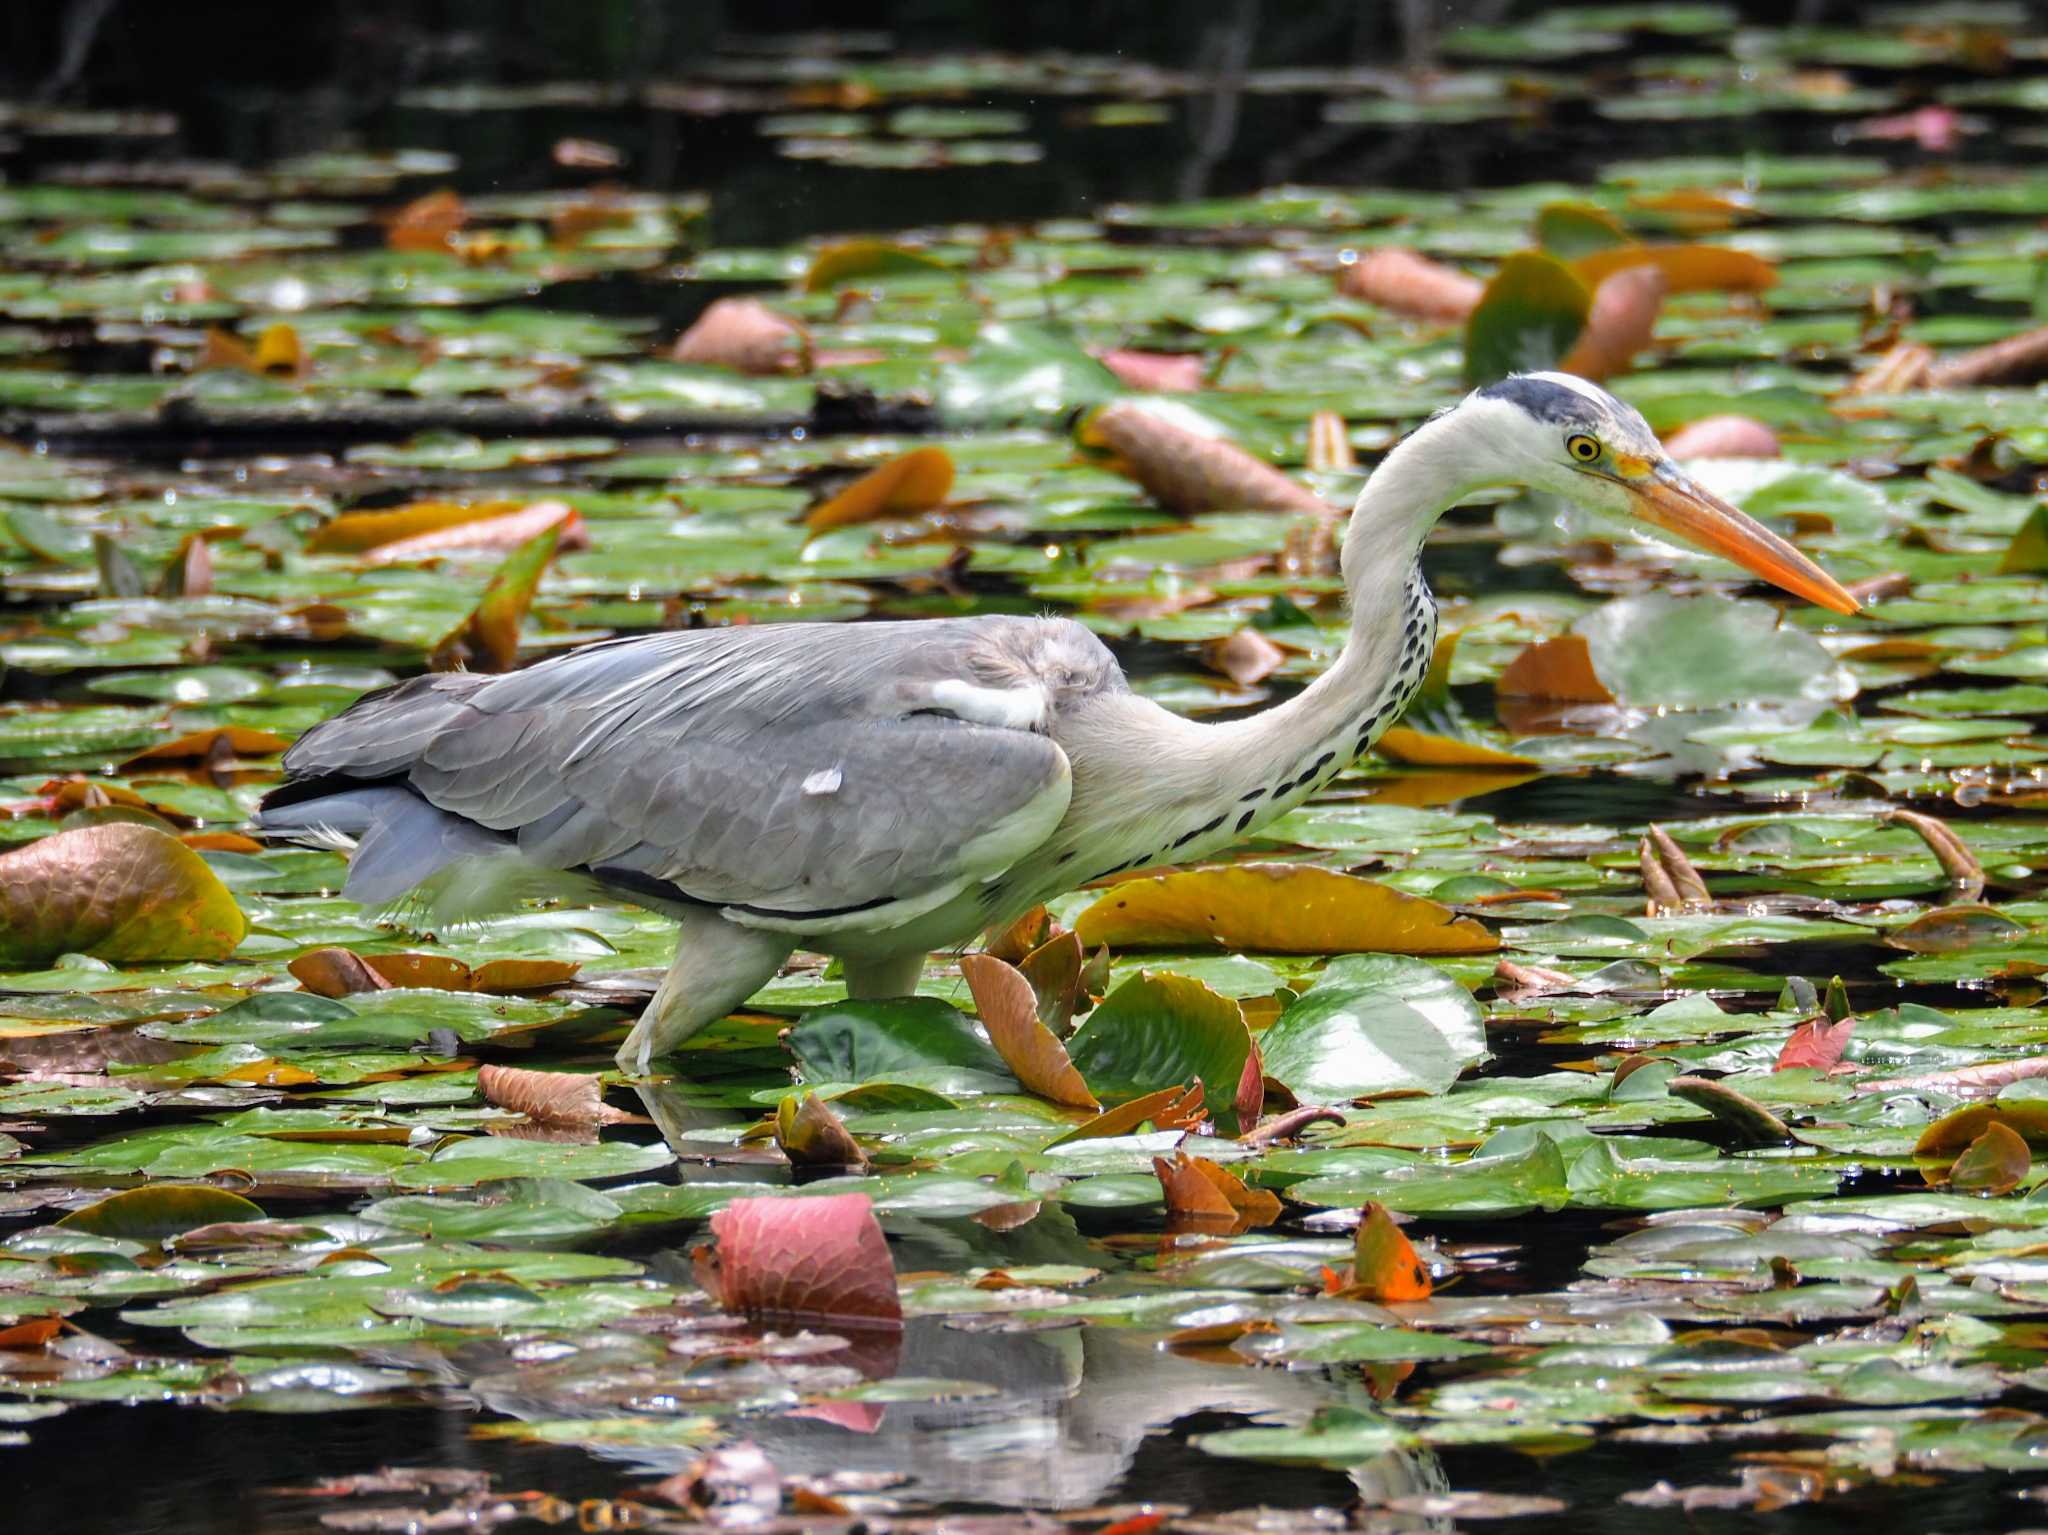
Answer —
893 976
718 965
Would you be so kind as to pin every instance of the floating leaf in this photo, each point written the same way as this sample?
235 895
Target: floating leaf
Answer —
504 532
860 1040
548 1097
118 891
1278 908
1560 670
1171 1108
1410 283
1161 1030
336 973
1723 437
911 482
356 532
1198 1189
160 1210
1185 471
845 260
1816 1044
746 335
223 741
820 1259
1375 1024
1996 1162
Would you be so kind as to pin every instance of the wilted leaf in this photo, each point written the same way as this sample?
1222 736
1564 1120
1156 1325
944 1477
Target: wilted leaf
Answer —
1164 372
488 640
1057 970
276 354
1384 1264
1560 670
1422 748
1952 929
911 482
355 532
1741 1113
1185 471
506 531
1965 873
1280 908
336 972
1199 1189
548 1097
1171 1108
426 223
1620 323
205 745
1994 1163
807 1260
1816 1043
1245 657
1528 318
1409 283
1009 1011
811 1135
746 335
119 891
1723 437
1670 881
1685 268
505 976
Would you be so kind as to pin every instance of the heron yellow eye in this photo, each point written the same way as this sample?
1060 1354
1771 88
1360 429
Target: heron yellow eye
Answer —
1581 447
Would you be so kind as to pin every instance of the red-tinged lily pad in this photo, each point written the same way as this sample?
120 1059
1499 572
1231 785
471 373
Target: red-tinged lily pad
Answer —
820 1259
118 891
1817 1043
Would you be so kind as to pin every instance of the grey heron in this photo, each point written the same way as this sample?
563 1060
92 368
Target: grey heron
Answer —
878 791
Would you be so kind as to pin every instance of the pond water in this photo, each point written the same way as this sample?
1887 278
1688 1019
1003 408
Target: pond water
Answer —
262 1228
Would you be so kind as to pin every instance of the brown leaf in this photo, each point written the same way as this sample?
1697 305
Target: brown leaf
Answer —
426 223
1245 657
548 1097
1560 669
1251 1088
1817 1043
1169 372
505 976
1723 437
1199 1189
1171 1108
1410 284
1009 1011
1422 748
276 354
1685 268
1902 368
503 532
810 1259
355 532
1670 882
205 745
1285 1127
1619 325
1012 943
1187 472
336 973
1056 970
1329 442
1744 1115
1994 1163
811 1135
1965 873
1985 1081
422 972
911 482
746 335
119 891
2020 359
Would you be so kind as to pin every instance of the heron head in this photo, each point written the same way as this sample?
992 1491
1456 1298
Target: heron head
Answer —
1576 440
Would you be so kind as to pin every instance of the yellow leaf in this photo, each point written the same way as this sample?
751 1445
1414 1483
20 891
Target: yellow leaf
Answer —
911 482
1686 268
353 532
1280 908
1420 748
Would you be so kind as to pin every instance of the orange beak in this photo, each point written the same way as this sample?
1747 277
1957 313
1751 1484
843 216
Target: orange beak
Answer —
1666 499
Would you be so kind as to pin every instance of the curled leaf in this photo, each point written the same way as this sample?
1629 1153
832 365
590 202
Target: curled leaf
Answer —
1199 1189
811 1135
1817 1043
1749 1119
1994 1163
276 354
1187 472
1560 670
746 335
1171 1108
119 891
1245 657
1009 1011
548 1097
1685 268
1280 908
503 532
1670 882
909 483
221 742
1985 1081
1723 437
426 223
1057 971
1620 323
806 1259
1965 873
1410 283
1384 1264
488 640
1528 318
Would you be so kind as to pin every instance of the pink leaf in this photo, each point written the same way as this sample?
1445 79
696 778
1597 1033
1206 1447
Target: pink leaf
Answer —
1177 372
1816 1043
1723 437
804 1259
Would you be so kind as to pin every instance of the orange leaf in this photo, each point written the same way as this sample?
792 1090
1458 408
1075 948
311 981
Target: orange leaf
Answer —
33 1334
504 532
1251 1090
276 354
421 972
1198 1188
1421 748
1171 1108
221 741
1723 437
1410 284
1560 669
1384 1265
1281 908
510 975
336 973
1056 970
354 532
911 482
270 1073
744 334
1619 325
1012 943
549 1097
1187 472
488 640
1009 1011
426 223
1686 268
220 842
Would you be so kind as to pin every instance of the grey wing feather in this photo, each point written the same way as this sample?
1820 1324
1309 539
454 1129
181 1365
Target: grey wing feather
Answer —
800 767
